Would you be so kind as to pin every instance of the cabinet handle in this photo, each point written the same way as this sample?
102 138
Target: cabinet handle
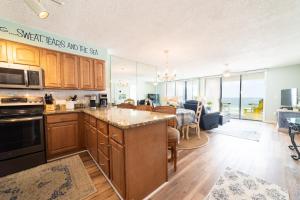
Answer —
101 164
101 143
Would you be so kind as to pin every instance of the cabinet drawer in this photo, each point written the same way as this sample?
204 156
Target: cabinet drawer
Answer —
62 118
103 143
102 126
103 163
86 118
93 121
116 134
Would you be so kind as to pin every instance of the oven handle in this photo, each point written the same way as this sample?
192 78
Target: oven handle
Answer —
12 120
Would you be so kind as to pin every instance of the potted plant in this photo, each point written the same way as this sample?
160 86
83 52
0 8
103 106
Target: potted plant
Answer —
209 105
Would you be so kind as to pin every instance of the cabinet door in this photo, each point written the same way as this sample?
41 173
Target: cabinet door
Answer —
92 143
24 54
50 62
86 73
117 167
103 162
3 51
103 143
62 137
70 71
86 133
99 74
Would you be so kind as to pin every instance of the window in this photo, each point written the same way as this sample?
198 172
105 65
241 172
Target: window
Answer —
212 93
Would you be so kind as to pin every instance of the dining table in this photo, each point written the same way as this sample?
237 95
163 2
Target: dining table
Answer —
184 117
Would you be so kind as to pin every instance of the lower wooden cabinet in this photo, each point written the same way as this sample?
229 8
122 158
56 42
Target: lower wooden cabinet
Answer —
103 162
86 130
117 166
62 137
92 143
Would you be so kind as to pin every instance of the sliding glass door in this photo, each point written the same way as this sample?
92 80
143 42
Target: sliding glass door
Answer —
231 96
252 96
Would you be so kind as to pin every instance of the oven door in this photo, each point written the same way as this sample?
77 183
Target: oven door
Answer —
21 136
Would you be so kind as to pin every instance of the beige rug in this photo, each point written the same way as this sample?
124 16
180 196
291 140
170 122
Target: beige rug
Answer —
234 185
59 180
193 142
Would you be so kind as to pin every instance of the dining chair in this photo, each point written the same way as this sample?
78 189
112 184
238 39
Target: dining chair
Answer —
126 105
144 107
196 123
173 133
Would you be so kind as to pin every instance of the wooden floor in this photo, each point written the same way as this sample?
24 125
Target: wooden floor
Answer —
199 169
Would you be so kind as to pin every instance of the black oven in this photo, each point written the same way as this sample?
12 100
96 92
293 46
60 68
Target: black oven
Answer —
22 142
21 136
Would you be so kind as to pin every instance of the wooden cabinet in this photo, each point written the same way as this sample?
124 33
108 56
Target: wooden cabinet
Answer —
62 137
62 134
3 51
86 73
86 133
23 54
51 63
117 162
69 71
93 142
103 162
99 74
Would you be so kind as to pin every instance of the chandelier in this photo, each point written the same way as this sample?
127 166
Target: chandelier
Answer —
167 75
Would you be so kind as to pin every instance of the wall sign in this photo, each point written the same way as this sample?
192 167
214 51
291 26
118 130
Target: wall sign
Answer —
19 33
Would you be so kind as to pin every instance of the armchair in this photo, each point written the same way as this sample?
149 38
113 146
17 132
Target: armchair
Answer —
207 120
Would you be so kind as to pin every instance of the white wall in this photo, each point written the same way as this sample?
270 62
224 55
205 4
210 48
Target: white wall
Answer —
276 80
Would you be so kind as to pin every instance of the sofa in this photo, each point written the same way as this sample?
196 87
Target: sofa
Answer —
207 120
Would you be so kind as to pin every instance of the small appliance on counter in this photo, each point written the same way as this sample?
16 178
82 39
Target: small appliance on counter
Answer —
22 133
93 101
103 100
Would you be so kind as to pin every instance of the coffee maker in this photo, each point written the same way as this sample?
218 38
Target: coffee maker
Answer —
93 101
103 100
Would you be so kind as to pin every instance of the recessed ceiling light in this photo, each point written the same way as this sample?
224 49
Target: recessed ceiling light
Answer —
38 8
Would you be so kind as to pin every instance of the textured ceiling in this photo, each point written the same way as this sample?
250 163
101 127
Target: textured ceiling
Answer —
202 36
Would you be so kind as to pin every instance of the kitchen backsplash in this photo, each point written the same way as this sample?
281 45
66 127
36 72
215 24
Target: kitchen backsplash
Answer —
57 94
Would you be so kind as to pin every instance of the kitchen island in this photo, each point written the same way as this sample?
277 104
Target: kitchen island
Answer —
129 146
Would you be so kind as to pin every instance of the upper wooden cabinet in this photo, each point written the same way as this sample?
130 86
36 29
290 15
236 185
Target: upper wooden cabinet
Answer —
23 54
69 71
3 51
86 73
99 71
61 70
51 63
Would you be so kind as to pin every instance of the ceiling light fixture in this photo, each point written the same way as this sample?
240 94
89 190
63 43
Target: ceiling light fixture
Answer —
37 7
167 75
226 73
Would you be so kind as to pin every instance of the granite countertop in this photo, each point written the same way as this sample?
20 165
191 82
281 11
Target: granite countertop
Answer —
122 118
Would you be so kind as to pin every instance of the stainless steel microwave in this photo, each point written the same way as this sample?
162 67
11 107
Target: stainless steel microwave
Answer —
20 76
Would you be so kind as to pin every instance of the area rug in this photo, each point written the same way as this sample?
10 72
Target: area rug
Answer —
243 134
59 180
233 185
193 142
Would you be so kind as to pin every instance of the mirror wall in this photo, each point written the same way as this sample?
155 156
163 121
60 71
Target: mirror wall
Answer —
131 80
